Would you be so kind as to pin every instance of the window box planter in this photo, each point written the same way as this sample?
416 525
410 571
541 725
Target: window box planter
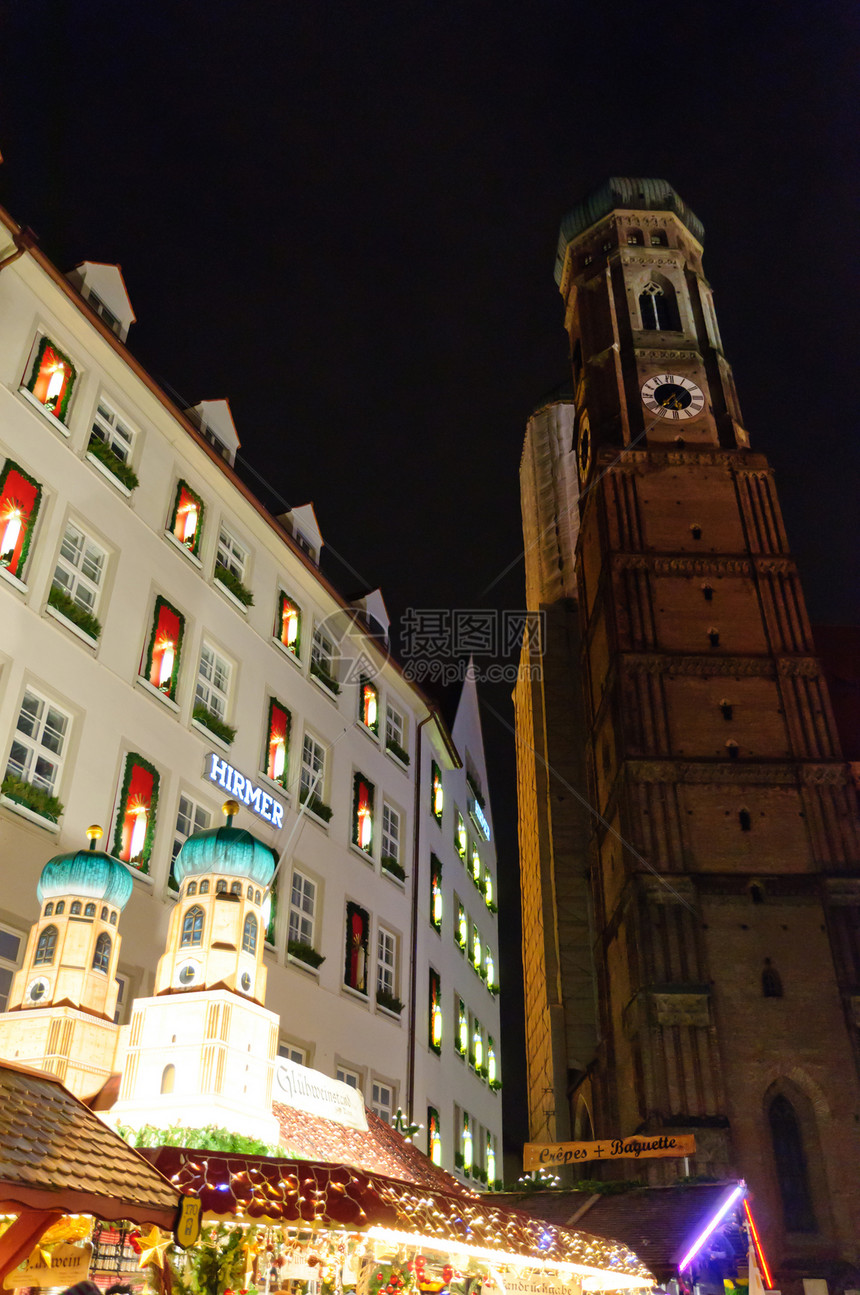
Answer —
324 678
177 544
495 1084
399 753
37 800
72 611
392 867
233 585
104 455
315 806
305 953
46 413
225 732
390 1002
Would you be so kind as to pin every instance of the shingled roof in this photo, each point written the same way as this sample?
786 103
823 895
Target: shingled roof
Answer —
55 1154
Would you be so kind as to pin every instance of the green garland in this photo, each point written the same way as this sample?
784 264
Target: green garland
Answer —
327 680
351 909
273 702
214 723
66 606
210 1137
147 671
305 953
231 581
100 450
59 414
12 466
357 779
435 877
283 598
392 745
394 866
201 509
35 798
130 761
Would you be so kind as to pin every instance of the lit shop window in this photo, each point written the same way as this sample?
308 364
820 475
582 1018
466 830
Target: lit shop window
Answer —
435 1023
357 942
161 662
437 795
20 497
186 519
288 624
369 706
191 817
435 893
80 569
134 829
462 927
382 1100
476 950
434 1135
52 378
10 948
462 1028
37 753
390 834
303 901
362 813
475 868
277 742
395 734
461 840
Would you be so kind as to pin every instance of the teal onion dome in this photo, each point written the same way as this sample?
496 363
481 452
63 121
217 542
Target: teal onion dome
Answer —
623 191
91 874
228 852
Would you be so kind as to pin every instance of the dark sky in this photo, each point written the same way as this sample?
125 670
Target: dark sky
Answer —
344 216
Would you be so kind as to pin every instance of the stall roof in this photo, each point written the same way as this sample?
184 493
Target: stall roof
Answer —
55 1154
336 1195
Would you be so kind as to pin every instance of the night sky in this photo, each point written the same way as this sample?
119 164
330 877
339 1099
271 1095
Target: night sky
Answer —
343 216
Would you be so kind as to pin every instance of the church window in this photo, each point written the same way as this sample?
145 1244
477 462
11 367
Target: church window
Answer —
745 820
249 894
101 957
236 888
249 934
90 910
61 907
192 888
192 927
204 888
76 908
168 1078
104 914
221 887
49 908
46 947
659 240
791 1172
771 981
635 239
356 952
113 919
657 307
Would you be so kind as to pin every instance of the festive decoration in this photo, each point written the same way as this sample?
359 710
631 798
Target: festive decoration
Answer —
476 866
489 970
488 892
20 497
369 706
492 1069
477 1047
435 1038
163 655
753 1231
437 795
357 937
231 581
713 1222
434 1135
491 1159
461 839
288 624
135 820
186 521
362 812
462 927
462 1028
435 893
277 742
466 1143
153 1246
476 949
52 379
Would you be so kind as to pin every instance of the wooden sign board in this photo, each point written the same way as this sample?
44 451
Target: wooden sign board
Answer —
545 1155
69 1264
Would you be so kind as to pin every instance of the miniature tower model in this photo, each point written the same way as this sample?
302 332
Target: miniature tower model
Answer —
63 1000
202 1050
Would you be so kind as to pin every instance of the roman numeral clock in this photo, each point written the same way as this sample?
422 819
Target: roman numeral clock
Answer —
673 397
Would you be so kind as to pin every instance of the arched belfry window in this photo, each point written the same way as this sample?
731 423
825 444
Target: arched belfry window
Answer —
634 238
101 956
192 927
168 1078
771 981
657 308
249 935
790 1160
46 947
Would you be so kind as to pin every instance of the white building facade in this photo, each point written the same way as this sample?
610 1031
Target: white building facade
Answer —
167 644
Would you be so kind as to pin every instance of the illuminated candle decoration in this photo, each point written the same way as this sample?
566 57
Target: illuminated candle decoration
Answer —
489 969
20 496
488 889
135 820
140 814
165 641
467 1143
461 839
52 379
435 1011
187 517
362 831
166 649
435 893
357 937
477 1047
491 1160
476 865
462 927
476 948
462 1028
276 743
491 1062
287 629
437 795
434 1135
369 706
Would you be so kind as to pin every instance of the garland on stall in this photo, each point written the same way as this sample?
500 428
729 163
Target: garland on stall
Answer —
61 412
130 761
147 669
201 509
12 466
357 780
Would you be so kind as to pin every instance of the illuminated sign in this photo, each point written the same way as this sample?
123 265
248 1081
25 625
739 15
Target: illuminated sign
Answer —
244 790
480 818
538 1154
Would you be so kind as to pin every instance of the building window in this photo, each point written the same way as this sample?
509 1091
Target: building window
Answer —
489 969
101 957
390 834
659 240
168 1078
111 431
492 1064
49 910
382 1100
313 769
477 1051
461 839
657 307
213 682
121 984
191 889
80 569
20 497
231 556
771 981
435 893
346 1076
490 1162
322 660
186 519
476 949
791 1171
434 1135
476 866
745 820
249 934
357 942
466 1144
235 888
161 660
435 1021
386 965
369 706
290 1052
462 1028
395 734
204 887
90 910
134 830
489 892
76 908
437 794
462 934
303 898
288 625
362 813
277 743
634 238
46 948
52 378
192 928
221 887
191 817
39 746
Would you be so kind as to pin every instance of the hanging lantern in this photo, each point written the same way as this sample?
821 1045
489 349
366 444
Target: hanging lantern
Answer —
14 519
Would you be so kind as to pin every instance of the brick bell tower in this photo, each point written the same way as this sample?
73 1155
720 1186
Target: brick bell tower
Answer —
715 881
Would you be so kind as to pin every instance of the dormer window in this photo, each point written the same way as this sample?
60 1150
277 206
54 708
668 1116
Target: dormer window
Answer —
306 546
103 313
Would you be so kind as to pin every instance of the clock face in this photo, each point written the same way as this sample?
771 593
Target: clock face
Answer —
37 989
583 447
188 973
672 397
245 982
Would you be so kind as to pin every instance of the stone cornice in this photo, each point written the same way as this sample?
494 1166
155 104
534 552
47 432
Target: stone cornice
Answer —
734 774
702 666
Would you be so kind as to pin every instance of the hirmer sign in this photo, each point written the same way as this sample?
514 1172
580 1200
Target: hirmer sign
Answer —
244 790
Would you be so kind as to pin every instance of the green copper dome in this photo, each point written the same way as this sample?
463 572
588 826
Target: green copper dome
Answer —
623 191
91 874
229 851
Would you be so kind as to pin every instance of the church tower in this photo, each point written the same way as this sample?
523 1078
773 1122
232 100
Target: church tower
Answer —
689 834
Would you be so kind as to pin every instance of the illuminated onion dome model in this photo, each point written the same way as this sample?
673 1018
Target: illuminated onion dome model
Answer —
218 927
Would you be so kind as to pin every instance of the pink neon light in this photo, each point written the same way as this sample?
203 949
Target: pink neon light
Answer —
720 1214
